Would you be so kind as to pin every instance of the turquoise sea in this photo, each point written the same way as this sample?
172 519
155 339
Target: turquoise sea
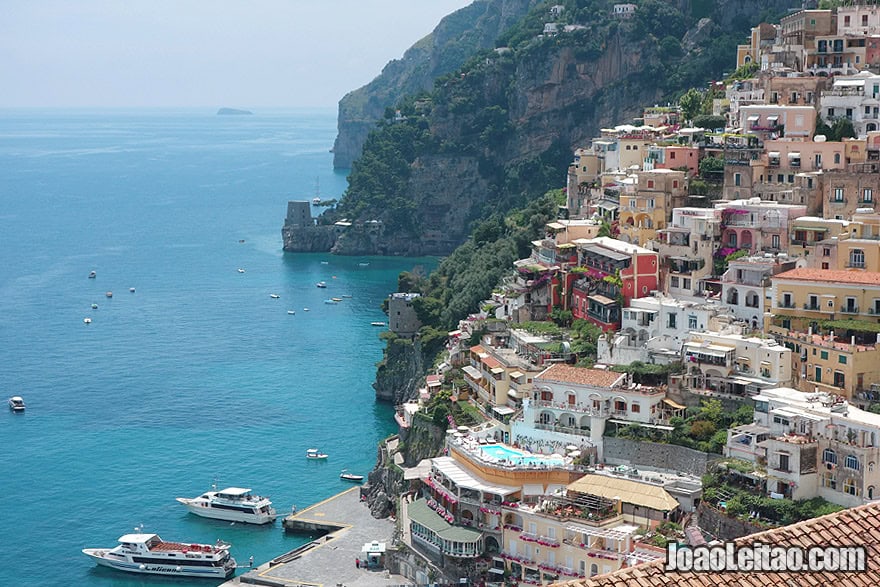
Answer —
199 375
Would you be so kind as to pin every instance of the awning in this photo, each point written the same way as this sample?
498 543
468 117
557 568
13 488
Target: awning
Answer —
515 374
495 571
753 118
794 155
503 410
497 370
602 300
673 405
773 118
773 154
471 372
555 225
533 489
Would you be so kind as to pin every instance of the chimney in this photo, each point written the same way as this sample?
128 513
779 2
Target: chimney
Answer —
853 340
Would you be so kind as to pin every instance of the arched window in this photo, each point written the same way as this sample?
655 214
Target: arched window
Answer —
837 158
871 467
829 456
870 492
857 258
852 462
594 570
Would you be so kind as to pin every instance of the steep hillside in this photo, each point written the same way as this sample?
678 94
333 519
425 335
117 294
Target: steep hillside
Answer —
501 130
458 37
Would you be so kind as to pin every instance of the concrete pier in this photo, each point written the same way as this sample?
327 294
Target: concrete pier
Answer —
346 525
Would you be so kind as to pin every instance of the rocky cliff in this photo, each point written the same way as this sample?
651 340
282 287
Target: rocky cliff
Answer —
502 129
455 39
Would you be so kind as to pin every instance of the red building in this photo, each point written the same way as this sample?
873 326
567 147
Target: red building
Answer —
614 272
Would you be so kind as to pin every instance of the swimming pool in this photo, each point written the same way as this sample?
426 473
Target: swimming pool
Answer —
518 457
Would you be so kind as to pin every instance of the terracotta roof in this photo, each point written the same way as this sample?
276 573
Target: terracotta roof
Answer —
859 526
831 276
580 375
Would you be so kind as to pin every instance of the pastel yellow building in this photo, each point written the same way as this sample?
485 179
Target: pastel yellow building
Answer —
829 318
649 208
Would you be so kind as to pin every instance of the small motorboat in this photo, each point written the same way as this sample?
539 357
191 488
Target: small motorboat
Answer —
363 264
274 296
315 455
377 324
305 309
131 289
94 306
331 301
321 284
92 275
291 312
16 404
325 262
346 476
87 320
109 294
336 299
240 270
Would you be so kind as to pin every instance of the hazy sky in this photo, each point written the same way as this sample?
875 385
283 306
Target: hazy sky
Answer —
213 53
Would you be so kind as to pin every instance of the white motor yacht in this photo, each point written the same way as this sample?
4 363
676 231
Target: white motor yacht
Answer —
149 554
16 403
235 504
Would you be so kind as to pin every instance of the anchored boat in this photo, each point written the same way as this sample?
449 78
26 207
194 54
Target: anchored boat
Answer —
149 554
235 504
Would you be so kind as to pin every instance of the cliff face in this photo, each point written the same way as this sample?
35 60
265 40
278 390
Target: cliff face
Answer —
455 39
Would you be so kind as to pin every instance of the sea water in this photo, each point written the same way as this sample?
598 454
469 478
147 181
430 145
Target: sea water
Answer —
196 376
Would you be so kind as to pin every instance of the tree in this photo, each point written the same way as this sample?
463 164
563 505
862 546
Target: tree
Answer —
691 103
710 167
709 121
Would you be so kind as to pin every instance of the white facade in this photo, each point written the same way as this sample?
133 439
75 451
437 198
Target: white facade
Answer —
653 329
819 445
733 364
856 98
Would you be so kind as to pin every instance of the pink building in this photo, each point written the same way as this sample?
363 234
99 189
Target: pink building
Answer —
675 157
771 121
757 225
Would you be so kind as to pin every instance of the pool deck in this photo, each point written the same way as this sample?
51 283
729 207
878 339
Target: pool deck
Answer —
330 559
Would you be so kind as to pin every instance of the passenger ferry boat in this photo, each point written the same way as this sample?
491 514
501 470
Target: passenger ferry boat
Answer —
234 504
149 554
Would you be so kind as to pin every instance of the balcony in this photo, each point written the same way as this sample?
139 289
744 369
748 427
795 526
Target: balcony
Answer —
787 304
849 310
856 265
812 307
838 201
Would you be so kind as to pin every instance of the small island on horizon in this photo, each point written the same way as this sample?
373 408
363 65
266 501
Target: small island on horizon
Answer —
232 111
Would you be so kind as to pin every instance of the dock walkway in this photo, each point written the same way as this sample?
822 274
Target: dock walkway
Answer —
328 561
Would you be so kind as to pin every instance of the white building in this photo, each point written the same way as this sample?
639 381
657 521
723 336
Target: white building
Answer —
730 364
746 286
573 404
816 445
654 328
856 98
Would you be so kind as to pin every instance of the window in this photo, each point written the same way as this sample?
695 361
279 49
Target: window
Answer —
783 462
852 462
737 179
867 195
838 194
823 355
839 379
826 252
671 321
774 241
830 112
674 281
635 409
692 322
857 258
849 486
650 183
829 456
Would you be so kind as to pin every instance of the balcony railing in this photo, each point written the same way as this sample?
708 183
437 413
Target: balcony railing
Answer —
856 264
787 305
838 201
812 307
850 310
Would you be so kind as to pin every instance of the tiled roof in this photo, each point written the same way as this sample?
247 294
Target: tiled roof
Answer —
859 526
580 375
831 276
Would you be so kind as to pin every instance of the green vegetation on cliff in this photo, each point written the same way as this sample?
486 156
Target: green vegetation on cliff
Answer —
516 113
